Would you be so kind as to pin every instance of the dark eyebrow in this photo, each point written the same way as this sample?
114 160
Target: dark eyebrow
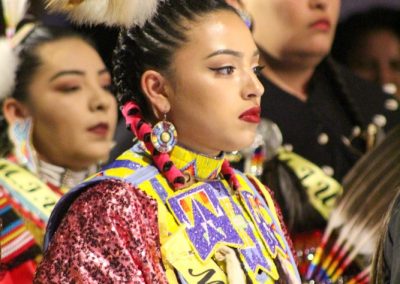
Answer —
226 51
230 52
67 72
75 72
101 72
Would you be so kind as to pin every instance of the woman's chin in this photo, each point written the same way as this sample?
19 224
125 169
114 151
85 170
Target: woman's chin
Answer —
240 146
89 159
100 151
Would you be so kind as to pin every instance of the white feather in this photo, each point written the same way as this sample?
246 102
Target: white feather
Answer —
8 68
14 11
109 12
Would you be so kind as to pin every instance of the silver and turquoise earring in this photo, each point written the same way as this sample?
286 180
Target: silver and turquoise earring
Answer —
164 136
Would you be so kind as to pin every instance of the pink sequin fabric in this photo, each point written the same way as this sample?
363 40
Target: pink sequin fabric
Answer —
110 235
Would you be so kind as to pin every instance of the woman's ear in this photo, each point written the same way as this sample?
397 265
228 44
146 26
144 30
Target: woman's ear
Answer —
14 110
154 86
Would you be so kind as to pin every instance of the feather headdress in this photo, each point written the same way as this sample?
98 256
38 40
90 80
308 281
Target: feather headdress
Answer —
109 12
8 69
14 11
354 225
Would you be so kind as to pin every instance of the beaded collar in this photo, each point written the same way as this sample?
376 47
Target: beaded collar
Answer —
196 165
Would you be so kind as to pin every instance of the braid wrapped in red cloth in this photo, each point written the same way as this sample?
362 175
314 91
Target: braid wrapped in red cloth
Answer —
142 131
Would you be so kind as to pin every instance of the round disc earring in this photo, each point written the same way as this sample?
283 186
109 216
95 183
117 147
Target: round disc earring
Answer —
164 136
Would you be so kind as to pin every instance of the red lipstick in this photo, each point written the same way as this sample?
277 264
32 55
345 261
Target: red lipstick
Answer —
100 129
251 115
323 25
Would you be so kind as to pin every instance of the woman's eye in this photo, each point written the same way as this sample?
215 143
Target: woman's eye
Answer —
257 70
69 89
226 70
109 88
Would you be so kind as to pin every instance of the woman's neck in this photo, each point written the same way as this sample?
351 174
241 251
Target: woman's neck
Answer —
63 177
290 77
74 165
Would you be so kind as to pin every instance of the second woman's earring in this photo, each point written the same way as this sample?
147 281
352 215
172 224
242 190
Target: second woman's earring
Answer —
20 134
164 136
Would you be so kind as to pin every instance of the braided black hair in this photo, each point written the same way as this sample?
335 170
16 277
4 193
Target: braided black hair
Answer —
29 63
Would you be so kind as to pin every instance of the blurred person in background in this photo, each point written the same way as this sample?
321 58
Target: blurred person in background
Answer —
328 118
369 44
319 107
57 122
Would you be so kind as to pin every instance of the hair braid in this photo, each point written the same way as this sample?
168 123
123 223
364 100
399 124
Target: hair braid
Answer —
153 46
142 130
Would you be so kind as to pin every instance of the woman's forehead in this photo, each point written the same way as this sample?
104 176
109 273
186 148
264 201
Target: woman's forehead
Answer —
69 53
220 30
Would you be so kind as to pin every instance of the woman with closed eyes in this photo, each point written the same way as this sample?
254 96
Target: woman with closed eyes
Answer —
57 125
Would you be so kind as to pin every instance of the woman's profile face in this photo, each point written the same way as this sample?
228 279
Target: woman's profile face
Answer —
294 28
74 114
215 93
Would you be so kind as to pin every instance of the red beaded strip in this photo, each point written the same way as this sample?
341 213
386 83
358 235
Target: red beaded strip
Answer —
229 175
142 130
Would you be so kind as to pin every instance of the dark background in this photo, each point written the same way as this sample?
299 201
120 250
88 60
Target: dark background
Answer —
351 6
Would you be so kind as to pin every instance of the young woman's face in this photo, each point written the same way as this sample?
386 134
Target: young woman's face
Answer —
74 114
294 28
216 93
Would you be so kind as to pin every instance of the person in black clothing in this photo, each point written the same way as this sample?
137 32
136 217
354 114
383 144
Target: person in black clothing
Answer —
319 106
326 114
329 127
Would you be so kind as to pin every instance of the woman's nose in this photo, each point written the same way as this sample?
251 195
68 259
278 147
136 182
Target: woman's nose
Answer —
253 87
319 4
100 100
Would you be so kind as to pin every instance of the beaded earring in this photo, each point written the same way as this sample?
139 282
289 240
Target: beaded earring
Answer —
164 136
142 130
20 134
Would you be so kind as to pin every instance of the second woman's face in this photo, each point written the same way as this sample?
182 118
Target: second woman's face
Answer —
216 93
74 114
294 28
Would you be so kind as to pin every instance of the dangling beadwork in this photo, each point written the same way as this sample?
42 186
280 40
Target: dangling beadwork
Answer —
164 136
20 134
